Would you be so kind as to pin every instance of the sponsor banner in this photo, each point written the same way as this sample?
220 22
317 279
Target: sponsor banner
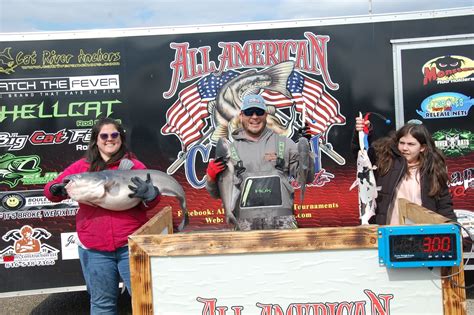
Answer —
448 69
44 86
16 142
38 214
69 244
25 169
445 105
29 248
173 92
454 142
29 59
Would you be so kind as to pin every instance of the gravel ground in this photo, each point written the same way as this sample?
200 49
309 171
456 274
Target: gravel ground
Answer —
78 303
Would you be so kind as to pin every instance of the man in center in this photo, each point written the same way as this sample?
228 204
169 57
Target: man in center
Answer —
264 162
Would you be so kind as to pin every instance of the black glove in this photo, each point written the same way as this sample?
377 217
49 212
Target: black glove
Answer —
305 132
58 190
144 189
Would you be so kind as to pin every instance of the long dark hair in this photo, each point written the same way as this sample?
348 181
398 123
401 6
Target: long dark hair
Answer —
431 161
93 155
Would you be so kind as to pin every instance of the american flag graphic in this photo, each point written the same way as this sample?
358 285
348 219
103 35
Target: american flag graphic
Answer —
322 110
186 117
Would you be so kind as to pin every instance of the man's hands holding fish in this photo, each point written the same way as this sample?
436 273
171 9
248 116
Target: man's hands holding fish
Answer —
143 189
214 167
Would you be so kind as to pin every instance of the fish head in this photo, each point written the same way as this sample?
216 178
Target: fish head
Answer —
87 188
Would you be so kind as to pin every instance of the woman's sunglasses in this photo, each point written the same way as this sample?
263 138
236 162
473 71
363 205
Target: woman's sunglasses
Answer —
250 111
105 136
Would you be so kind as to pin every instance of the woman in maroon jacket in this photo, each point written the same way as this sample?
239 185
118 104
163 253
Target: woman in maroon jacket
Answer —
103 234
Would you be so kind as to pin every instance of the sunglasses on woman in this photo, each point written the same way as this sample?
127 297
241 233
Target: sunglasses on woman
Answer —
105 136
250 111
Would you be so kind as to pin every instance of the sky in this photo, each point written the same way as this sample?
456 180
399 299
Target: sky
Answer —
67 15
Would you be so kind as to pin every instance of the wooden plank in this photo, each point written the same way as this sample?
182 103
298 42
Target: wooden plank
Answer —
258 241
454 294
140 274
158 223
418 214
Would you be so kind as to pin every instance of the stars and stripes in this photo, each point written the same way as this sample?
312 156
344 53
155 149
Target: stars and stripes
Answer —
322 110
186 118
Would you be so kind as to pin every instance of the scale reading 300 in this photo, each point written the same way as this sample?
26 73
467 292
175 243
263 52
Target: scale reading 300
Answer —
419 246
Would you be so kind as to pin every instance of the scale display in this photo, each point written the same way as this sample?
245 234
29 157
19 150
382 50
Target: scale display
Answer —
420 246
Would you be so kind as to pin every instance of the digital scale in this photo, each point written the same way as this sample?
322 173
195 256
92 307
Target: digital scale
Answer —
412 246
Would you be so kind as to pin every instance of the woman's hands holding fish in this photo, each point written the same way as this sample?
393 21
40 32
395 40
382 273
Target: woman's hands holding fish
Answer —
361 123
214 168
58 190
143 189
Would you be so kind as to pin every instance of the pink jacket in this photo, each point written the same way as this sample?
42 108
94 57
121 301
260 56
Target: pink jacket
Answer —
99 228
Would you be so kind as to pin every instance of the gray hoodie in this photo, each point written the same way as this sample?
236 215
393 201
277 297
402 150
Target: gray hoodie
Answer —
260 157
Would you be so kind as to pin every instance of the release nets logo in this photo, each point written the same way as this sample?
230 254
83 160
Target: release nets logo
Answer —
454 142
448 69
445 105
28 249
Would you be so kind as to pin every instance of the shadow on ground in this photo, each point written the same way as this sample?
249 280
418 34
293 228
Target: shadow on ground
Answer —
71 303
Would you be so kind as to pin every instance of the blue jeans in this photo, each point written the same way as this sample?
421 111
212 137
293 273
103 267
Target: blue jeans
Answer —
102 272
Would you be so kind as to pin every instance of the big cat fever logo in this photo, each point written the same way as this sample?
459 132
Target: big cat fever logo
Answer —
447 69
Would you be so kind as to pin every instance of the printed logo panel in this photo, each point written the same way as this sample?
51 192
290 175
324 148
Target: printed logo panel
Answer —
448 69
445 105
28 248
69 244
454 142
28 60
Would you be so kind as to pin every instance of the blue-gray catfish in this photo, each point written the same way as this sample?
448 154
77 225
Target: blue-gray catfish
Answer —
109 189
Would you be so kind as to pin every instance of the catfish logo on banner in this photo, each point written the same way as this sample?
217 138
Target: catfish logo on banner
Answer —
207 109
25 169
447 69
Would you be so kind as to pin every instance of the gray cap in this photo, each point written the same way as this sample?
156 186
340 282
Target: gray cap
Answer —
253 100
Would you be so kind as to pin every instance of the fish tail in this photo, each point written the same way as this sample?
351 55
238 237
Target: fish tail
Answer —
279 74
185 220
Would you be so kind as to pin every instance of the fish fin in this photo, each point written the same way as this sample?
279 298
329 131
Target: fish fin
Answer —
254 90
221 131
211 105
125 164
354 184
279 74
